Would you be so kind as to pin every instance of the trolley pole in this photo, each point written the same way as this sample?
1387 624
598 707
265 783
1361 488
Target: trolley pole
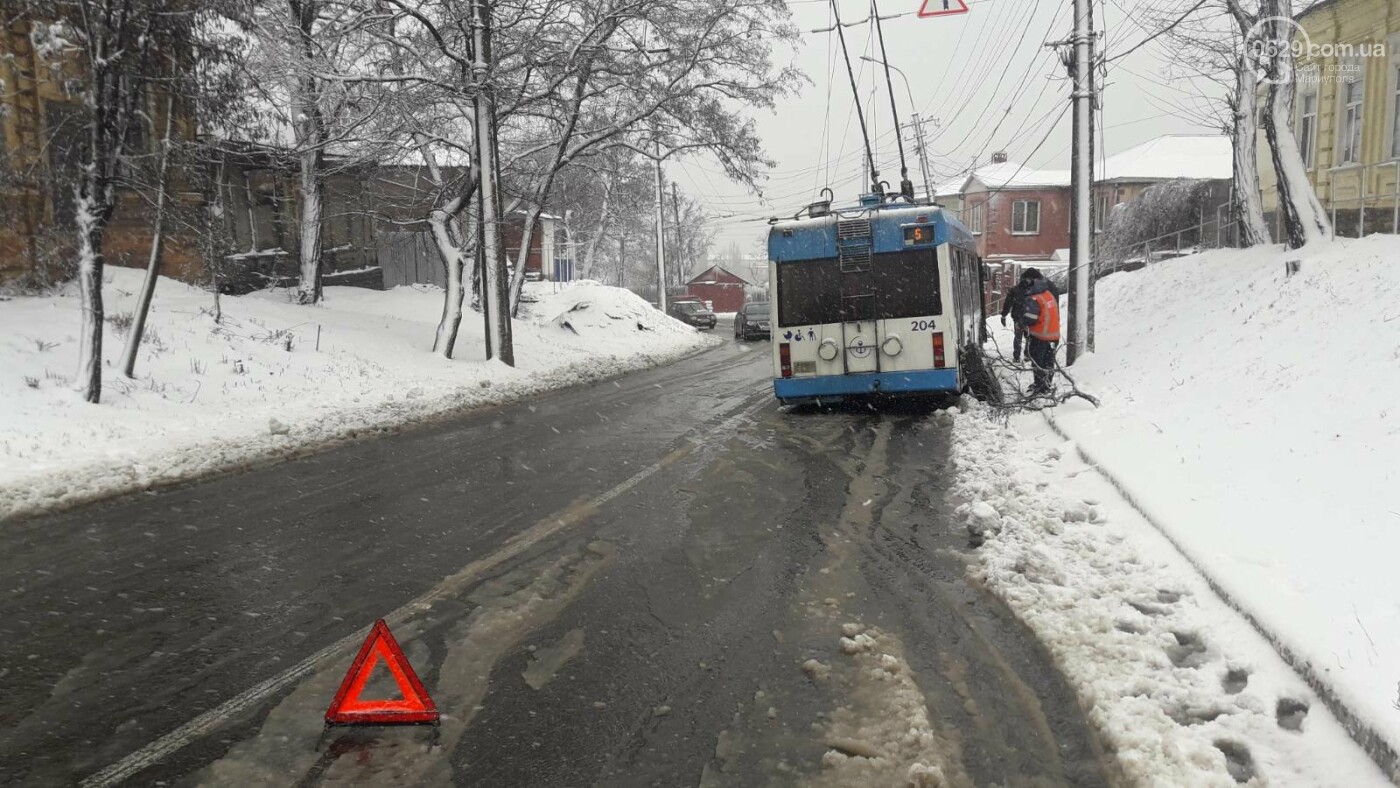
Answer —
660 235
1080 338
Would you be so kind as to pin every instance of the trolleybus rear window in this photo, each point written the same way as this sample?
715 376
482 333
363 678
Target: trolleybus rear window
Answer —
897 284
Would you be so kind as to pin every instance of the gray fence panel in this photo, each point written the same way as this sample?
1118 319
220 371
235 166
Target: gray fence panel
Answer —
410 258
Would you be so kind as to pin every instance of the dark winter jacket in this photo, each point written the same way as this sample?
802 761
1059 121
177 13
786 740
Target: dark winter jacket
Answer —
1013 298
1030 311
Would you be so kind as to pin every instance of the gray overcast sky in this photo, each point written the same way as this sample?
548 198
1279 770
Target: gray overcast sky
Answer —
965 71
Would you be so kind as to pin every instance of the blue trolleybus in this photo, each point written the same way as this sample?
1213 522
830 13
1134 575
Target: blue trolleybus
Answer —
881 299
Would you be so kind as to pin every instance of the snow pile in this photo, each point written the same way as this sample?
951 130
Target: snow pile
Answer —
216 396
1180 688
1256 418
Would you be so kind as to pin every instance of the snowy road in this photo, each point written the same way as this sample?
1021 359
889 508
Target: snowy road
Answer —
663 580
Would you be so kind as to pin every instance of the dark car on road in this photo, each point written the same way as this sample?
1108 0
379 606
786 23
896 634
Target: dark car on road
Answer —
753 321
692 313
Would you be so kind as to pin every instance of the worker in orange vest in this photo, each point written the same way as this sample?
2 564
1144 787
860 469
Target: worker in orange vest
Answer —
1041 318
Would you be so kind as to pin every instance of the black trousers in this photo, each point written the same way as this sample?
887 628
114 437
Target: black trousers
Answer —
1042 356
1016 342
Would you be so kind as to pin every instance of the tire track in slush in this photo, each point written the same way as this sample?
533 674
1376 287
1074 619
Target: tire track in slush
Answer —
571 516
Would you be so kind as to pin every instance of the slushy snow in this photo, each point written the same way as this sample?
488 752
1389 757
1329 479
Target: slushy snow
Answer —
216 396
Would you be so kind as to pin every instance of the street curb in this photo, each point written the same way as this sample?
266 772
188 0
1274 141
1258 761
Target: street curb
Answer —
1362 732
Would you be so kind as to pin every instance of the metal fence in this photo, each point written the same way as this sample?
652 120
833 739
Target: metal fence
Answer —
1361 199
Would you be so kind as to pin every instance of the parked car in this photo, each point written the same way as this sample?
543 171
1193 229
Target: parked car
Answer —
692 313
753 321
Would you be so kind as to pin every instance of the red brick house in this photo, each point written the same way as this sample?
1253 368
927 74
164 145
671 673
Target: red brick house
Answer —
1016 212
723 290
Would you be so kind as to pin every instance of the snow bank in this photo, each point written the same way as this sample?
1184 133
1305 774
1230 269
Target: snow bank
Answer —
1256 418
1180 688
216 396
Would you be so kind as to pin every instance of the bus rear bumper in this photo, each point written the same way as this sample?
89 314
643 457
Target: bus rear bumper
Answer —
836 387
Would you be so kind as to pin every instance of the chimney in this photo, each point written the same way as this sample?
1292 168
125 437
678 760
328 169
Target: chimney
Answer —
999 157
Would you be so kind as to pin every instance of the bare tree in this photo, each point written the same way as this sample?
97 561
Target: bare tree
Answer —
115 45
305 69
155 260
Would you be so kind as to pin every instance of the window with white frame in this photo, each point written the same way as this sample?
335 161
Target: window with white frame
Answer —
974 217
1307 127
1395 111
1350 143
1025 217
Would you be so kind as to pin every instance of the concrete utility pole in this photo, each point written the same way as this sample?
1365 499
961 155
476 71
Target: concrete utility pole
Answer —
682 269
660 235
1080 336
923 156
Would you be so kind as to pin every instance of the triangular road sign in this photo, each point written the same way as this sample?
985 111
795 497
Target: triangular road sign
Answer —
348 708
942 8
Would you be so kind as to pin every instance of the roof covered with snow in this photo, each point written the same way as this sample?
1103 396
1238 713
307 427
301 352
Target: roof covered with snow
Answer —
716 275
1195 156
1015 175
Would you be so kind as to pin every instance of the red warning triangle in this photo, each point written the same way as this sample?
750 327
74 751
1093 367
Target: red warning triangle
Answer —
942 8
348 708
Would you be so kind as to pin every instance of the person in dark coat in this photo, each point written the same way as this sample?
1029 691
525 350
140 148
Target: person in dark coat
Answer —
1041 317
1014 299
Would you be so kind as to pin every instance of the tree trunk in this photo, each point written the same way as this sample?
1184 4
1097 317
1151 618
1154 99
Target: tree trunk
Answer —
312 209
310 141
148 287
1247 211
1304 219
495 285
591 251
92 224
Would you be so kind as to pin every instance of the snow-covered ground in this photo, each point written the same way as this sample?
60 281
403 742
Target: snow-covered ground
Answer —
213 397
1255 419
1180 688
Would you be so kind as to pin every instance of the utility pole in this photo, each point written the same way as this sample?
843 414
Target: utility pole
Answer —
681 269
1080 337
660 235
923 156
493 298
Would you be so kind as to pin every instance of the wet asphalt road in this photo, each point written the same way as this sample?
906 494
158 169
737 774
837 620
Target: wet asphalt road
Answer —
616 585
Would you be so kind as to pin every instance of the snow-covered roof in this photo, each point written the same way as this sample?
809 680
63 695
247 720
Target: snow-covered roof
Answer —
950 188
1195 156
1014 175
715 269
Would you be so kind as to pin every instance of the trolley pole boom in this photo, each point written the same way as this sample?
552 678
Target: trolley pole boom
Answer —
855 96
905 187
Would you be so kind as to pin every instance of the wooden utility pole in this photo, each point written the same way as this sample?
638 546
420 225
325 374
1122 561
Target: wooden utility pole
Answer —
1080 334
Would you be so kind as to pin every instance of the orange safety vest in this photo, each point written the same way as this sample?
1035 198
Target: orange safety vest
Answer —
1047 327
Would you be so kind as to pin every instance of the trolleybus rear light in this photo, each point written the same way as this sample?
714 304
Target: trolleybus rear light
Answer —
785 358
938 358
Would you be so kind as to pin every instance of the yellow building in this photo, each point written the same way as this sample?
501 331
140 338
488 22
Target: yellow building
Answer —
1347 114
